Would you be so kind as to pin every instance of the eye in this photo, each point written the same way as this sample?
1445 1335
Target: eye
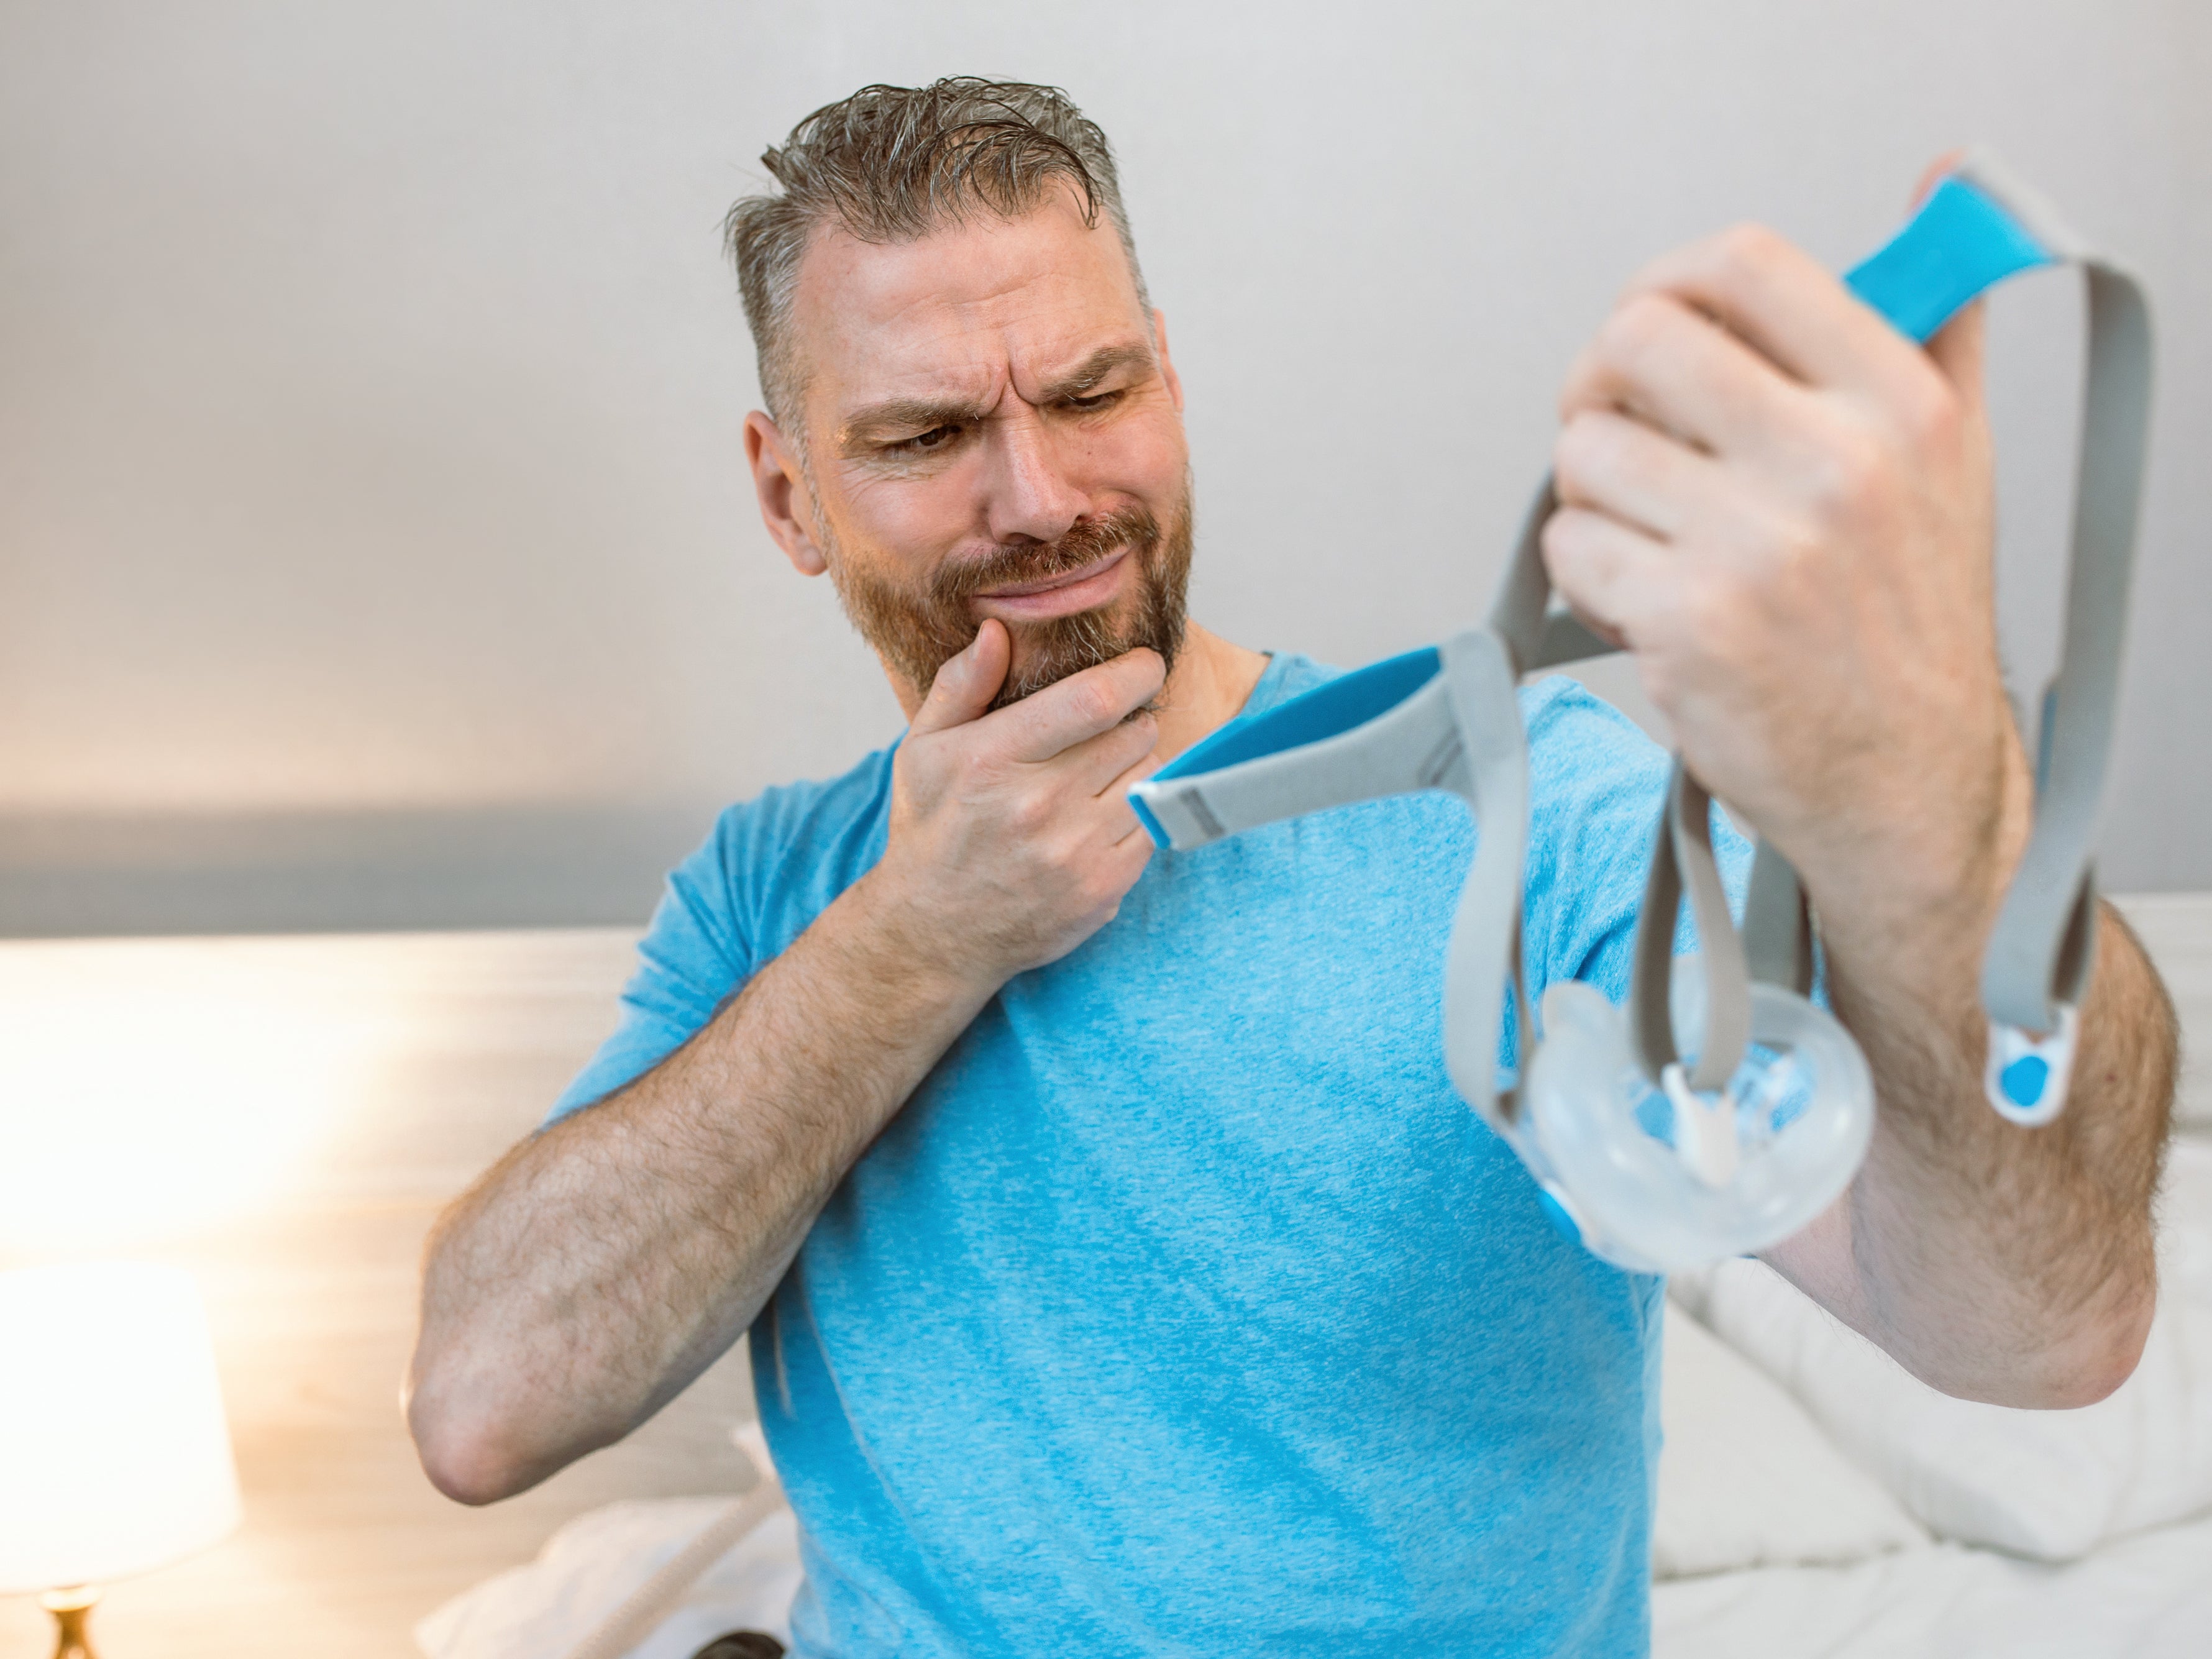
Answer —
1096 400
924 443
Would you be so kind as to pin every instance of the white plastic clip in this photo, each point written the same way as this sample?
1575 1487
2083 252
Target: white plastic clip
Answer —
2025 1076
1705 1134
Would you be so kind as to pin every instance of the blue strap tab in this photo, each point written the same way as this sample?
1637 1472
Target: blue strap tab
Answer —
1960 242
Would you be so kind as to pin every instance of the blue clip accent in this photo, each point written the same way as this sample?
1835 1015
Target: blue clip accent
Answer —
2024 1080
1161 839
1960 242
1327 711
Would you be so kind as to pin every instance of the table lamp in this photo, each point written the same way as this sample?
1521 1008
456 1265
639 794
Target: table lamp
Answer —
114 1455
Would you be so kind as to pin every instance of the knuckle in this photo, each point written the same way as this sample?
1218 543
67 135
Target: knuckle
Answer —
972 769
1637 328
1063 854
1561 542
1095 702
1932 416
1745 249
1850 471
1579 449
1716 611
1030 814
1794 574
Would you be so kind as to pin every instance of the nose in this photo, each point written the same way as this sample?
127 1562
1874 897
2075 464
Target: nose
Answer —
1030 496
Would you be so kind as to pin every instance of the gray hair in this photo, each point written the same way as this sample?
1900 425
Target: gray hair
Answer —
892 164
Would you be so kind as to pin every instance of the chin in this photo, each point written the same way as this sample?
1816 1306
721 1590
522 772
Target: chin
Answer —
1046 652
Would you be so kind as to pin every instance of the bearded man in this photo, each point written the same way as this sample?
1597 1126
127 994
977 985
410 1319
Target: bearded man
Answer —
1121 1273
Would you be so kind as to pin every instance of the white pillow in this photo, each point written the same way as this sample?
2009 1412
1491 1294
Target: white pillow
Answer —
2053 1485
1746 1479
596 1562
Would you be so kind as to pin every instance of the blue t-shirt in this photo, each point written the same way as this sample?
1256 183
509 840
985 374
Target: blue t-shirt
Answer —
1185 1309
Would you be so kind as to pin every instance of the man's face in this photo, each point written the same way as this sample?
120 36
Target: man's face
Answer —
993 430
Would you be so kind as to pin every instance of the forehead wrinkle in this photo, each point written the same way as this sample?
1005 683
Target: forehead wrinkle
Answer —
897 332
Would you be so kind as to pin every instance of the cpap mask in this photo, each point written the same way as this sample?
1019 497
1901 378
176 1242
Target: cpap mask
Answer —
1721 1110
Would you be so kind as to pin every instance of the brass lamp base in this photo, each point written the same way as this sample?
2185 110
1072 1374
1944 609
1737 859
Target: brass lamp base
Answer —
72 1611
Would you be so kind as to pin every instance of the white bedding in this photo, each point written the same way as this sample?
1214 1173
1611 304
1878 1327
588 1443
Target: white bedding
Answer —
2147 1597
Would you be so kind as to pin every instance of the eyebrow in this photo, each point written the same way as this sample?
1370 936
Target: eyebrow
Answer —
925 414
907 415
1086 375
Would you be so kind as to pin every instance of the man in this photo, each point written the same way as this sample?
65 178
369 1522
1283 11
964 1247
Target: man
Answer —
1122 1274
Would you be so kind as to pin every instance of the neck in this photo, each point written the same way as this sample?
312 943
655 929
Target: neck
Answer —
1209 684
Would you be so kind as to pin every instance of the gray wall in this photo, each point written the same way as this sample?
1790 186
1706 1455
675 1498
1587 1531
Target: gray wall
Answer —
375 547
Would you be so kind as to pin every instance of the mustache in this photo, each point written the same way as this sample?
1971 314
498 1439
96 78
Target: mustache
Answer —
1085 543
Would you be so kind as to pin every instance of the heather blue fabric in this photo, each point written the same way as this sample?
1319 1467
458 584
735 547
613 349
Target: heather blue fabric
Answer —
1184 1310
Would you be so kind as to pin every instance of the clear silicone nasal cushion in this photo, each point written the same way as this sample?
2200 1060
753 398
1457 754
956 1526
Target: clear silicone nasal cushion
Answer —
1797 1116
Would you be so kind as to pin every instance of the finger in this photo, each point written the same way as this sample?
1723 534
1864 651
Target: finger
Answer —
1132 853
1081 706
1112 756
1612 575
1129 833
1790 309
1934 173
966 684
1092 765
1627 470
1658 360
1119 790
1959 349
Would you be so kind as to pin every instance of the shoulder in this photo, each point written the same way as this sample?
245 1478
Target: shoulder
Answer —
1595 778
1578 743
796 821
769 867
1597 786
1288 674
795 837
803 841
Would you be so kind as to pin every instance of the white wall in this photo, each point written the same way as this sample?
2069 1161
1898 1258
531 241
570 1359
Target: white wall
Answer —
373 540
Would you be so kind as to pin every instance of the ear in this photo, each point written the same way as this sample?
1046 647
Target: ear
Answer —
1167 364
787 505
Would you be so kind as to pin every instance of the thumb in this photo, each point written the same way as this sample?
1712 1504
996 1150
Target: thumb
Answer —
1936 173
966 684
1957 348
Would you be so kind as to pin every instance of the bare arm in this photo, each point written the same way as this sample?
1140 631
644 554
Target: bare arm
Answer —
1785 509
601 1265
1999 1264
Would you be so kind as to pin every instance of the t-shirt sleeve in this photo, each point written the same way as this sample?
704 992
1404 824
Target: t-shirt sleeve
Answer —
1596 784
694 958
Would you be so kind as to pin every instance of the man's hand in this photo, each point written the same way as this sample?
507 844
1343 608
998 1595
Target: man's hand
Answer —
1011 837
1782 506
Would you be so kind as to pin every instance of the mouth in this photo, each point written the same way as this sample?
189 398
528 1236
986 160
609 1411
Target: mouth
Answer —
1084 588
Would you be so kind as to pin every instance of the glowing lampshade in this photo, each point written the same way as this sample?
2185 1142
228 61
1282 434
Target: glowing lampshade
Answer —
114 1456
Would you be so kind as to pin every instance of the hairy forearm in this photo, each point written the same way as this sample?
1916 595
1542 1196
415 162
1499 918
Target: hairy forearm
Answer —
1997 1263
604 1263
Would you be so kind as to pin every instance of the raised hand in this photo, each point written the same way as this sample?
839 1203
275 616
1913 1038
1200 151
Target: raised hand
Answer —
1784 507
1012 840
